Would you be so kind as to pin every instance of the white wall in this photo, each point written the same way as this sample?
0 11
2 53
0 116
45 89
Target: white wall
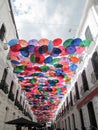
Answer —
90 18
8 110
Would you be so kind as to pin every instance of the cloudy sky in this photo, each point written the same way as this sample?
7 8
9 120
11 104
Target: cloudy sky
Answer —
36 19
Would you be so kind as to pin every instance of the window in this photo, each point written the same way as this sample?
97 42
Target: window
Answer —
69 123
81 118
71 101
65 125
95 63
77 92
20 105
5 74
2 32
16 99
20 99
84 80
16 95
67 103
64 109
23 104
88 34
73 120
3 84
91 115
11 95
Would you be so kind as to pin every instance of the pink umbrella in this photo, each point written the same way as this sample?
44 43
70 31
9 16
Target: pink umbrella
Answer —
14 53
80 50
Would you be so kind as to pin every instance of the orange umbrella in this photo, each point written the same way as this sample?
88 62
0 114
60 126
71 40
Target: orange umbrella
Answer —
54 89
68 79
14 58
70 73
23 43
43 41
74 59
24 63
52 74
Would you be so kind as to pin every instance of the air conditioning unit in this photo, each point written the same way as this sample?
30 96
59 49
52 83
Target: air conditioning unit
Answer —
93 78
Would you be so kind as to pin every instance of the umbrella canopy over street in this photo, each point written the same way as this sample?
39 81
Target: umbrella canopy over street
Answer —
45 70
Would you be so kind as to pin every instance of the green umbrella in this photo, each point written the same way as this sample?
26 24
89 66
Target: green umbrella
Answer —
86 42
67 42
56 81
45 68
55 60
58 65
46 93
58 89
19 68
34 80
68 82
52 101
65 76
40 89
33 58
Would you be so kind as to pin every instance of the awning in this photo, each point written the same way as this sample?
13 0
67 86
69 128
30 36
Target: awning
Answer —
23 122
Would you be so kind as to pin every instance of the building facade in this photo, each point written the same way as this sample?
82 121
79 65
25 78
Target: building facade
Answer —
80 108
12 102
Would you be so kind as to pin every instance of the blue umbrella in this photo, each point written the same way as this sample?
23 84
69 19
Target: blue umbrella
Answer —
73 67
21 78
15 62
59 72
30 48
52 82
48 60
43 49
24 52
76 42
56 51
50 46
13 42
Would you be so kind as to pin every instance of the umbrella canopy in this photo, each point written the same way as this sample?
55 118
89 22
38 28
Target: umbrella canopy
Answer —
22 122
45 69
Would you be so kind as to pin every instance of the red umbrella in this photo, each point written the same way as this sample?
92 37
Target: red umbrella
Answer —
57 42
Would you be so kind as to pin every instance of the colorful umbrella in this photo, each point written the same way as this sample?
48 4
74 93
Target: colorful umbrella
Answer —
45 69
50 46
43 41
13 42
67 42
57 42
33 42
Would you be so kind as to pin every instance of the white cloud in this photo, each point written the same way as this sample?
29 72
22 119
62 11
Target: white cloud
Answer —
47 18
